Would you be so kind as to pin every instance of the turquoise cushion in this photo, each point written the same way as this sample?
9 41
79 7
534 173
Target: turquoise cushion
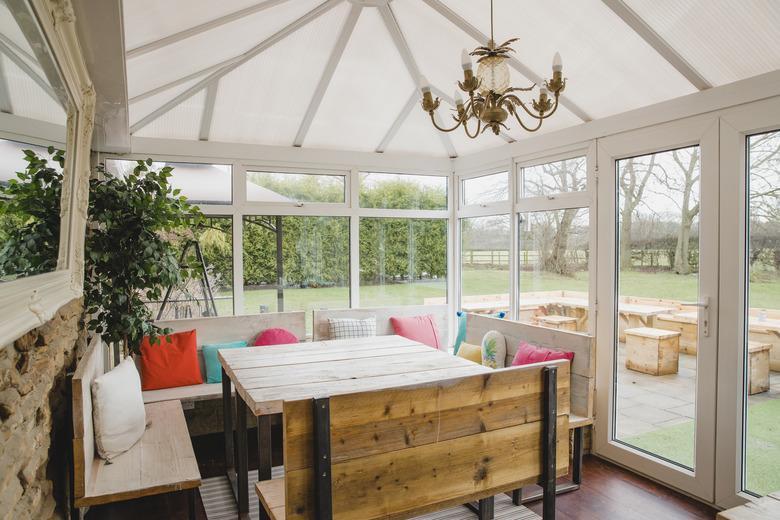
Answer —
461 337
213 368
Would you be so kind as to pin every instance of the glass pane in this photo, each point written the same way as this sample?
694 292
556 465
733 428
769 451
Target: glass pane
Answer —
657 272
486 189
212 296
295 263
762 360
485 243
553 268
294 187
556 177
403 261
401 191
200 183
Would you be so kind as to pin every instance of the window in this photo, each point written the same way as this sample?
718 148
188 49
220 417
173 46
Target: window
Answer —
295 263
403 261
403 191
200 183
486 189
294 187
553 268
568 175
761 449
485 282
29 220
209 244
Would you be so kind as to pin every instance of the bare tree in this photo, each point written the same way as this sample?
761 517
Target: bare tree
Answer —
689 205
633 177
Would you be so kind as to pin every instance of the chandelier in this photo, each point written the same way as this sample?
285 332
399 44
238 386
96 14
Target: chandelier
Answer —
491 99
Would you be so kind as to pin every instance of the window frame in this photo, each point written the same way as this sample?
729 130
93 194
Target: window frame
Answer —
314 206
486 206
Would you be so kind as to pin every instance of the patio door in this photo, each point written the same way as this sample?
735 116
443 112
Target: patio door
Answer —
657 302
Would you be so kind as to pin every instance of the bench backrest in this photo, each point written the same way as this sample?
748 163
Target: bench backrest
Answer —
405 451
382 315
90 367
583 368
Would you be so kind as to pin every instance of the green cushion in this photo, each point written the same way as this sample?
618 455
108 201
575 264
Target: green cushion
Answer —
213 368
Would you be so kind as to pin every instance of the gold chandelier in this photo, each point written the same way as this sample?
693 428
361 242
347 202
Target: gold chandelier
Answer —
491 99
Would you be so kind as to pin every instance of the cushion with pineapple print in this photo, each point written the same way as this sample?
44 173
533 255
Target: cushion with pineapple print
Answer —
494 349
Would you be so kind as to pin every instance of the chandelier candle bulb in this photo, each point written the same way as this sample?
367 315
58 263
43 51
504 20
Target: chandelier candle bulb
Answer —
424 85
458 99
557 62
465 60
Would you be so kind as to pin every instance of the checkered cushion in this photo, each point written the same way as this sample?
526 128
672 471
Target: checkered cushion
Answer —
344 328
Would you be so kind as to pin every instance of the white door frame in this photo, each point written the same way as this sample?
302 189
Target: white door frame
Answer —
701 130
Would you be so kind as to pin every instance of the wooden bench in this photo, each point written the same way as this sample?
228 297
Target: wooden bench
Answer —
406 451
557 322
223 329
686 324
653 351
162 461
321 329
758 367
582 375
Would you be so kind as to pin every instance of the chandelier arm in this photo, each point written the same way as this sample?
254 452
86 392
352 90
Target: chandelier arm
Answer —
527 128
516 101
433 120
554 108
466 129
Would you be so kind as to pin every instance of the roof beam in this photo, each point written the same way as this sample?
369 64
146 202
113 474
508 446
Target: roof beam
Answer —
208 111
20 51
405 111
411 65
327 74
235 62
27 69
652 38
5 94
193 31
175 83
513 62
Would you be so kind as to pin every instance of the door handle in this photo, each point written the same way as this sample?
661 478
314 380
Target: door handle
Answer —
704 313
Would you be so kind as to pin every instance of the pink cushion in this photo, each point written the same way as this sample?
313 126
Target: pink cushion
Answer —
275 337
418 328
528 354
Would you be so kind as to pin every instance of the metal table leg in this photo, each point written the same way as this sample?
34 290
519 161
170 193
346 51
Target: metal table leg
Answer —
227 422
242 462
264 455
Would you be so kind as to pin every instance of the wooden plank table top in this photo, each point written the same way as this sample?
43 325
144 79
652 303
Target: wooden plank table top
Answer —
644 310
265 377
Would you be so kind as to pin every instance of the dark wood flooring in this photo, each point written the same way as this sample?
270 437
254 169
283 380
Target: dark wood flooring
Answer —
608 492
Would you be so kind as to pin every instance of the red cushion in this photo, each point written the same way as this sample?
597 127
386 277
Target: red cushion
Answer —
172 362
528 354
418 328
275 337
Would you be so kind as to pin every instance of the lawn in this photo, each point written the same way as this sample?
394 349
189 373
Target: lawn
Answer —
763 446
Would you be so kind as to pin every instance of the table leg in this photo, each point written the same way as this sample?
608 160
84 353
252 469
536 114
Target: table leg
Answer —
227 422
264 454
242 477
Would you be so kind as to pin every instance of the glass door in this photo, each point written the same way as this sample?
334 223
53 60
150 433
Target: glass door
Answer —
656 326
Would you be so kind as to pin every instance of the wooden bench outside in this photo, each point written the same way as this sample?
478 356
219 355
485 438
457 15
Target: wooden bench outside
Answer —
758 367
582 375
686 324
162 461
223 329
382 314
554 321
653 351
406 451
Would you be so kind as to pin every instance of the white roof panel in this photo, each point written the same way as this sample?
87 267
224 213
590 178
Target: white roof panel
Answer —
182 122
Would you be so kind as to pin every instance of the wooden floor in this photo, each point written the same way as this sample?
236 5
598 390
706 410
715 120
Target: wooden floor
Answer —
607 492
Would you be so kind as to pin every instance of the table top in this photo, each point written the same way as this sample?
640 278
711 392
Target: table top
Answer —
642 309
265 377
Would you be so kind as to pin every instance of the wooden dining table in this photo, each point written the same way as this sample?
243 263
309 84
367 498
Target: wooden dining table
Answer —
265 377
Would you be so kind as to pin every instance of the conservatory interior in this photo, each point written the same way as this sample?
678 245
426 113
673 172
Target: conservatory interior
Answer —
363 259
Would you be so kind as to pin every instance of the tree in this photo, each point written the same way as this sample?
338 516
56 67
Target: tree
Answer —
687 160
633 177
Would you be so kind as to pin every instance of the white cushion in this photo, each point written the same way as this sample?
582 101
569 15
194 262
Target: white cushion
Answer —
346 328
493 349
118 412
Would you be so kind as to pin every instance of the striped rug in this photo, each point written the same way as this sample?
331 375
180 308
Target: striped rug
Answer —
220 504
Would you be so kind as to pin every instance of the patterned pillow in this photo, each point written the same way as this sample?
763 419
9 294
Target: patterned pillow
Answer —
345 328
494 349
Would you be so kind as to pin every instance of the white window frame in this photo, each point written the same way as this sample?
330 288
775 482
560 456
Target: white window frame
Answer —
314 206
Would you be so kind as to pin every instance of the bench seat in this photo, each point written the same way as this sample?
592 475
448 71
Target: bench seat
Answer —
162 461
185 394
271 495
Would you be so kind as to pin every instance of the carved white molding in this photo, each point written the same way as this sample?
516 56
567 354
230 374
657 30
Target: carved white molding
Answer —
27 303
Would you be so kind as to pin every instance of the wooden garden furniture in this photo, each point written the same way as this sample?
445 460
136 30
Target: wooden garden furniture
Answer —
653 351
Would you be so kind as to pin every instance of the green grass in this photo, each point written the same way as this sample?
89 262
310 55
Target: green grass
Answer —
763 446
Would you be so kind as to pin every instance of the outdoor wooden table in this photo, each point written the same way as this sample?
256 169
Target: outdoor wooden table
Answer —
265 377
637 315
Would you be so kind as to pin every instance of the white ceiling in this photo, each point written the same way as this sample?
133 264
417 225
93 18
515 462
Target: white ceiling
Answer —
248 71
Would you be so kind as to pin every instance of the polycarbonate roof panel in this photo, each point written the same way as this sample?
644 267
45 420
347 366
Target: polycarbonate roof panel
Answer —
416 135
27 98
368 90
265 100
724 40
209 48
609 67
146 106
10 29
182 122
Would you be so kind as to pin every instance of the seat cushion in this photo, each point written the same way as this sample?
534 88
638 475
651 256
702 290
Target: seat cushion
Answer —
172 362
210 359
346 328
493 349
276 336
528 354
118 412
470 352
418 328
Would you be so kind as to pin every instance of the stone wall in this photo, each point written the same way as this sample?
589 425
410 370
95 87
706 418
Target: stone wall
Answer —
34 440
